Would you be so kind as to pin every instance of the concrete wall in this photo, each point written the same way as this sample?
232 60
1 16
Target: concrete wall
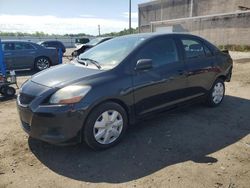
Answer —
173 9
208 7
223 29
169 9
69 42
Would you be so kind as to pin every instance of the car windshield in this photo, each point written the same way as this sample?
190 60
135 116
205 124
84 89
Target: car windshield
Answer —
109 54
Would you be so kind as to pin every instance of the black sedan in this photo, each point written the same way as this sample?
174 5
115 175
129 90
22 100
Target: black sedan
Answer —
84 47
117 83
28 55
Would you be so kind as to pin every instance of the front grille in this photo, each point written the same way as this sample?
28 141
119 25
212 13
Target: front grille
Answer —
25 99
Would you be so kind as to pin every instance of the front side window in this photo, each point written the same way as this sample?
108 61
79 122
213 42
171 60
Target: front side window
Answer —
162 51
193 48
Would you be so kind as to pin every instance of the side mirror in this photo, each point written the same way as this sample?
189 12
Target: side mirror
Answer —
144 64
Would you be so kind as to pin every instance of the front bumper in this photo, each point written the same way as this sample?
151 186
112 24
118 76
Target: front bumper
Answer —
53 124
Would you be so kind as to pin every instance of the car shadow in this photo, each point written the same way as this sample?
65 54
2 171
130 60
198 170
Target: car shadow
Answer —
191 133
3 99
242 60
25 73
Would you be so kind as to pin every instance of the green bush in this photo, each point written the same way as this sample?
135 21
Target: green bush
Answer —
232 47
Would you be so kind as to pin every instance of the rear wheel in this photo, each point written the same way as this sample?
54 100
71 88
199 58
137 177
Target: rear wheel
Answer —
42 63
105 126
216 94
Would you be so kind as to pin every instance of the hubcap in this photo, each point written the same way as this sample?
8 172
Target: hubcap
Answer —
42 64
218 93
108 127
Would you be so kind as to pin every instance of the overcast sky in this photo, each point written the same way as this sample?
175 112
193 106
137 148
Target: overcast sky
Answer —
67 16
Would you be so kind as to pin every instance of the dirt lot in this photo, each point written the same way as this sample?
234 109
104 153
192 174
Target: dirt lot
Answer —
192 147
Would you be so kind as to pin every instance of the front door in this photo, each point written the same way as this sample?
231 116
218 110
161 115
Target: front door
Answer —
165 83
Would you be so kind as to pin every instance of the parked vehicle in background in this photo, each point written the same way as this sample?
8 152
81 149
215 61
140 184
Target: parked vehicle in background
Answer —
119 82
53 43
80 41
27 55
84 47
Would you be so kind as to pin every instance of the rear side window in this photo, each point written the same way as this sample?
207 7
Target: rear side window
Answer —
162 51
193 48
23 46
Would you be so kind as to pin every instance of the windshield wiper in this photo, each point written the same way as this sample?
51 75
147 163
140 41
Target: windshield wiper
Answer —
86 60
81 61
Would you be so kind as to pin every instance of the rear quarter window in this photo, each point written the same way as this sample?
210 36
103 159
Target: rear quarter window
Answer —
8 46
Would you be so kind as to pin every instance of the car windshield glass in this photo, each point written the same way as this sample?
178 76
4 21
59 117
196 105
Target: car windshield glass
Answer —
95 41
109 54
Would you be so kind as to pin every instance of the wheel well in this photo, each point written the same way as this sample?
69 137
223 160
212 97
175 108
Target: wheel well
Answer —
121 103
222 77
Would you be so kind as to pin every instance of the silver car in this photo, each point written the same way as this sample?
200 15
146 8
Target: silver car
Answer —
27 55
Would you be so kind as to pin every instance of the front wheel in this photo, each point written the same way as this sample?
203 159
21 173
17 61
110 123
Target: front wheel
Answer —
105 126
216 94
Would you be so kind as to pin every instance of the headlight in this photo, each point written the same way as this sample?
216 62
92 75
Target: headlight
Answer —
69 95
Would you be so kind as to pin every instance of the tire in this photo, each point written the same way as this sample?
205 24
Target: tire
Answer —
9 91
216 94
105 126
42 63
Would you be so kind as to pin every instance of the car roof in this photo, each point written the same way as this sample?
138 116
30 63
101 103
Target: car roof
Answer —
24 41
51 41
152 35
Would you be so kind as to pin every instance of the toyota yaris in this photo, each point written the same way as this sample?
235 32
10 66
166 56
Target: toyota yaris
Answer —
95 97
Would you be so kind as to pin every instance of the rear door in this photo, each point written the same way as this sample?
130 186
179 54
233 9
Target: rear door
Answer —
165 83
199 61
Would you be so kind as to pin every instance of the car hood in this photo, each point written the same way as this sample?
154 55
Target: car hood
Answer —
62 75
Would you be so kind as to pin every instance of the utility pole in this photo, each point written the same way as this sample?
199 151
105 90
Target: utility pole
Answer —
191 8
161 10
129 16
99 30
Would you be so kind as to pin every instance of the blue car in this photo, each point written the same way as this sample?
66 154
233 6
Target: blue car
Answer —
28 55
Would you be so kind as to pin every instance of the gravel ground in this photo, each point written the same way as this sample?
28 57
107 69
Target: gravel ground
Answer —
193 147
